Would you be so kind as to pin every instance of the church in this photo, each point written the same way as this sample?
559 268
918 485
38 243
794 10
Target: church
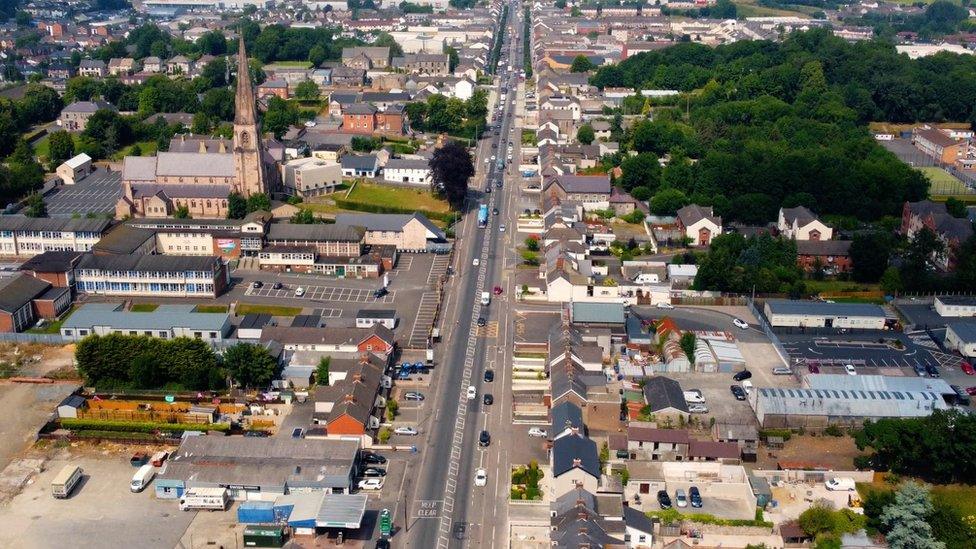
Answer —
200 172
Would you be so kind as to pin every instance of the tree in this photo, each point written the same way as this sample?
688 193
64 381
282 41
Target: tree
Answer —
451 168
668 201
304 216
280 116
687 343
212 43
201 123
870 253
61 147
35 206
956 207
236 206
317 55
322 371
642 170
891 282
905 519
182 212
307 90
250 365
581 63
585 134
258 202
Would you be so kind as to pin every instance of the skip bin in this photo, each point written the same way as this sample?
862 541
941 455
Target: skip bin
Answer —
263 536
256 512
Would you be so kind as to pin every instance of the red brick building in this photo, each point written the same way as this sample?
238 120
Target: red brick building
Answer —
833 255
25 299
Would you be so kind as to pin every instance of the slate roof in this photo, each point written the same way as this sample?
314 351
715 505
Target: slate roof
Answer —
323 232
566 450
18 291
965 331
51 262
662 393
823 247
693 213
797 307
149 263
53 224
359 162
566 415
386 222
800 214
589 184
88 107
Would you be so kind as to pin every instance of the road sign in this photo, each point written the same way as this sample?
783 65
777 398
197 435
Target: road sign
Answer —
386 522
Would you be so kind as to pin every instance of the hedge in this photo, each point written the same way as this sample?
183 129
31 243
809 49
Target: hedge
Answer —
347 204
138 426
115 434
670 516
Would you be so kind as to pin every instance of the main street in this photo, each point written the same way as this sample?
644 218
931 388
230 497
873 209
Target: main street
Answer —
441 498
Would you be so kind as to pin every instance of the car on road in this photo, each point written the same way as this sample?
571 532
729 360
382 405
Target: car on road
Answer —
663 499
489 375
374 472
480 477
498 184
299 291
663 305
297 432
373 459
501 228
406 431
695 497
472 392
782 371
813 368
476 262
738 392
382 544
497 290
698 409
276 286
743 375
484 439
968 369
488 399
413 395
740 323
931 370
849 368
482 322
488 189
257 284
380 292
680 499
371 484
537 432
494 211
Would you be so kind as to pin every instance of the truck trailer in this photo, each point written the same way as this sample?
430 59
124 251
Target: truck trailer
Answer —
211 499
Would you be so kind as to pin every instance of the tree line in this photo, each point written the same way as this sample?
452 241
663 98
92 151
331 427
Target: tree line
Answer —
20 173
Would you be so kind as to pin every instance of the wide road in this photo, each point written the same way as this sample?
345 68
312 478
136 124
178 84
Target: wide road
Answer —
439 500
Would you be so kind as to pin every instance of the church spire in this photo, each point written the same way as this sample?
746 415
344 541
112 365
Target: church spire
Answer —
244 100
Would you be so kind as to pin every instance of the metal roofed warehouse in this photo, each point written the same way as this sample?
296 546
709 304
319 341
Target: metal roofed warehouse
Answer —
819 314
818 408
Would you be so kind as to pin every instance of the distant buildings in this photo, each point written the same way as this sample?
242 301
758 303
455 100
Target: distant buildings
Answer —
952 231
74 117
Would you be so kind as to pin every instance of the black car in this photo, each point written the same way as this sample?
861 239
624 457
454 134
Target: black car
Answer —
484 440
256 434
373 459
663 499
382 544
694 496
257 284
276 286
498 183
494 211
374 472
931 370
380 292
742 376
489 400
489 375
738 392
482 321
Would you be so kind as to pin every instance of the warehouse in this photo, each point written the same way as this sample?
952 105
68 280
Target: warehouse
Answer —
818 314
955 306
818 408
961 336
259 468
860 382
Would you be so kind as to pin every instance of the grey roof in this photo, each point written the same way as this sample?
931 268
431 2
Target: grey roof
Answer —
376 313
566 450
693 213
51 261
637 520
571 499
662 393
584 183
823 247
359 162
566 415
600 313
854 404
75 401
800 214
820 308
965 331
341 510
407 164
195 164
964 300
124 239
182 190
332 232
54 224
163 318
844 382
88 107
149 263
139 168
15 292
359 108
387 222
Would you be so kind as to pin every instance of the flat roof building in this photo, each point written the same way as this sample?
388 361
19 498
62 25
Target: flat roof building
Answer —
961 336
955 305
818 314
819 408
166 322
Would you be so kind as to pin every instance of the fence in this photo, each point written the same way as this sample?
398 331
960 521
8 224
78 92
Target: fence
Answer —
25 337
767 329
158 416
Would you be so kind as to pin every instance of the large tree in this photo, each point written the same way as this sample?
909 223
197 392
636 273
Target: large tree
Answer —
905 519
870 253
61 147
585 134
581 63
250 365
451 168
236 206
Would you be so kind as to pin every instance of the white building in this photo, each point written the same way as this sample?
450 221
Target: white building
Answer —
307 177
961 336
413 172
816 314
801 224
699 224
367 318
27 237
166 322
955 306
75 169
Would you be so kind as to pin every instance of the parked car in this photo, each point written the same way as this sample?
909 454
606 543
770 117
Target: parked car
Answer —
374 472
813 368
406 431
299 291
256 434
371 484
276 286
494 211
489 376
849 368
413 395
694 396
738 392
297 432
488 399
501 228
472 392
932 370
476 262
380 292
695 496
743 375
537 432
680 499
740 323
782 371
139 459
484 439
840 483
480 477
698 409
663 499
663 305
497 290
920 370
373 459
257 284
971 391
968 369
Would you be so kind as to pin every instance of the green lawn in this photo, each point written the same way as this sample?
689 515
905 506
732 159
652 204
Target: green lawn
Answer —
144 307
273 310
210 309
942 182
301 64
383 195
53 327
839 286
960 496
42 147
148 149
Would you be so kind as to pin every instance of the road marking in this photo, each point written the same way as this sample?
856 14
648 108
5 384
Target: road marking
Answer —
429 509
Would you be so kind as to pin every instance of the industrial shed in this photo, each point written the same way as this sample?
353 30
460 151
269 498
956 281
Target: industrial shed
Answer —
961 336
819 314
818 408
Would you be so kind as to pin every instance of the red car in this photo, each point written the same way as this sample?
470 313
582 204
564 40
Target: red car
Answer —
497 290
971 391
968 369
814 369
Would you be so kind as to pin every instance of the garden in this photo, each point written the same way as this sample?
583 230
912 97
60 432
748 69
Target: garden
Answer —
525 482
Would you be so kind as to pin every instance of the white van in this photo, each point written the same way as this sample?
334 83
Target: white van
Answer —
66 480
747 386
485 298
840 484
142 478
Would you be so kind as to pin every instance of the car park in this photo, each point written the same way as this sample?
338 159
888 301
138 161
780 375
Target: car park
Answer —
663 499
537 432
738 392
257 284
276 286
481 477
740 323
484 439
413 395
743 375
406 431
374 472
371 484
967 369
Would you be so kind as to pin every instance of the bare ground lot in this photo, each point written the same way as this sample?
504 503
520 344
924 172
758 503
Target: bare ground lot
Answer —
835 453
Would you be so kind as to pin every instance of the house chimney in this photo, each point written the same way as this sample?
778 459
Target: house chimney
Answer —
357 378
577 462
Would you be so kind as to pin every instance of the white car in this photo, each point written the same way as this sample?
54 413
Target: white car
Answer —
537 432
740 323
406 431
849 368
299 291
476 262
481 477
501 228
663 305
841 484
371 484
472 392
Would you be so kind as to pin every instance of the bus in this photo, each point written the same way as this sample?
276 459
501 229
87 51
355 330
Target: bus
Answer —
483 216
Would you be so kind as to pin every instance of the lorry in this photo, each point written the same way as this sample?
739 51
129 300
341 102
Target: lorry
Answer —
65 482
483 215
142 478
211 499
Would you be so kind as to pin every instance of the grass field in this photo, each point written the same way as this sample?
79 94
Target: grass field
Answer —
273 310
750 8
960 496
43 151
399 197
148 149
942 182
300 64
210 309
53 327
838 286
144 307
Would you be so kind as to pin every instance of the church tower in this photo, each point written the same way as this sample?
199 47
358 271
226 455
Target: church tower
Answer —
248 167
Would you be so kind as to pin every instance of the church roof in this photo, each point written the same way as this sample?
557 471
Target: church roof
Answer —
182 191
139 168
245 106
195 164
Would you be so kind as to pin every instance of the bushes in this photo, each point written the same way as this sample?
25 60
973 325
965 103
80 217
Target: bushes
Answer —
148 363
671 516
525 482
138 426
